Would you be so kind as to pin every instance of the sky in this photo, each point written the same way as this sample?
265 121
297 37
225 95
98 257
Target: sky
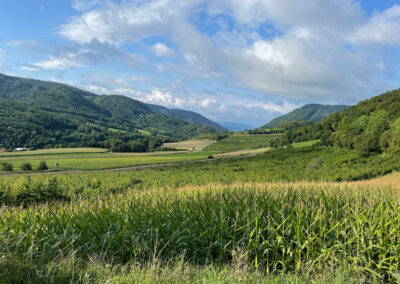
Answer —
244 61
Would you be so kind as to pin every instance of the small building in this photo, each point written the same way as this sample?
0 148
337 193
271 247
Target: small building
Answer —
21 149
3 150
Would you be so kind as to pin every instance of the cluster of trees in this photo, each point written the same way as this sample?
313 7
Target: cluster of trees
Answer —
144 144
372 126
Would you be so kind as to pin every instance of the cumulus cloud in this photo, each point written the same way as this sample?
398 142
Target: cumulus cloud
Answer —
307 61
161 49
382 28
85 55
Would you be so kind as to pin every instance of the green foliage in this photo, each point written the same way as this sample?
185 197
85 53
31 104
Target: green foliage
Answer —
38 114
237 142
311 112
7 167
26 167
280 229
372 126
188 116
140 217
42 166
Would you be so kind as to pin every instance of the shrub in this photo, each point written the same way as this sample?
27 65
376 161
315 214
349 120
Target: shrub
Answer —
26 167
210 157
7 167
42 166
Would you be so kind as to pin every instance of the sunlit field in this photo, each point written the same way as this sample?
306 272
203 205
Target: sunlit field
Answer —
241 141
258 219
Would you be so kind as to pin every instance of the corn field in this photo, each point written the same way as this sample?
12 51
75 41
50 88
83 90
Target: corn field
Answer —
278 229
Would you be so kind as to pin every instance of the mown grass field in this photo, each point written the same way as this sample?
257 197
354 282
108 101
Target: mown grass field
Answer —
190 144
241 142
97 161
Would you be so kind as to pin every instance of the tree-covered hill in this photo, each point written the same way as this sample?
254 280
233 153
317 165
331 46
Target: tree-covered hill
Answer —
188 116
371 126
39 114
310 112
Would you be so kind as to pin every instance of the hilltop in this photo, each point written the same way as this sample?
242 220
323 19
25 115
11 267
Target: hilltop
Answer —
310 112
188 116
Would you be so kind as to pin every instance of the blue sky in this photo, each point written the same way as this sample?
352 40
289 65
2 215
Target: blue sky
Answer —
230 60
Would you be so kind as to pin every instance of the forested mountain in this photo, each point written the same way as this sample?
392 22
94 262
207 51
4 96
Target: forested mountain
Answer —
371 126
40 114
310 112
188 116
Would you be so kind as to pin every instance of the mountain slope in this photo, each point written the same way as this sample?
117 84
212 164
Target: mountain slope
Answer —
372 125
44 114
188 116
312 112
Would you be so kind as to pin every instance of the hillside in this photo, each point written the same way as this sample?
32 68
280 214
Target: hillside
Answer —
371 126
310 112
188 116
39 114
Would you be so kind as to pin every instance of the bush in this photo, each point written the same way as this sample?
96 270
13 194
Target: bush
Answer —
26 167
210 157
42 166
7 167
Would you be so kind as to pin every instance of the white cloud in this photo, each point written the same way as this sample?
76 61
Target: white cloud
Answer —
161 49
306 61
70 60
207 102
85 55
382 28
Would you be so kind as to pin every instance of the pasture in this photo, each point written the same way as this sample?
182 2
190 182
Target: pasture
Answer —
190 145
238 142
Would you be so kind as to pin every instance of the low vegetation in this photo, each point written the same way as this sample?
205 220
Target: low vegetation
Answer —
242 141
258 229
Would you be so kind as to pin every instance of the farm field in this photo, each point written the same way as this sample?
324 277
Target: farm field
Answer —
100 159
54 151
280 217
97 161
241 142
190 144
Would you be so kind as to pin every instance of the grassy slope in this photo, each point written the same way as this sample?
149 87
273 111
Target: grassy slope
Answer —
313 112
240 142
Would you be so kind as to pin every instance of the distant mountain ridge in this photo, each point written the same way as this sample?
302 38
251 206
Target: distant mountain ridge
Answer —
310 112
41 114
236 126
186 115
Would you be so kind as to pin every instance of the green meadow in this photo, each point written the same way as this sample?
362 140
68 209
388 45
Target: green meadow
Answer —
241 142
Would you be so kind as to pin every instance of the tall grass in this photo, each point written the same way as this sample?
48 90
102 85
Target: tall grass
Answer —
278 229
